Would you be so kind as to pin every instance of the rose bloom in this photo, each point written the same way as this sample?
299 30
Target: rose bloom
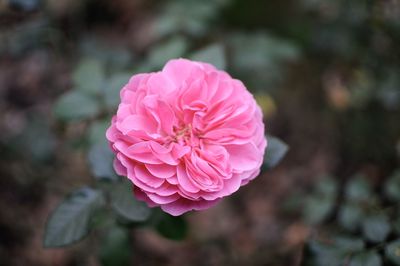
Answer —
186 136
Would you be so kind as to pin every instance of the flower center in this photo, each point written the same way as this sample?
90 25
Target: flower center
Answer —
186 136
184 132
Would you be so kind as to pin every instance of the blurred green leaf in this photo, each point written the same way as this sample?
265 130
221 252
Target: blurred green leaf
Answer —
327 187
97 132
101 159
70 221
114 86
259 58
349 244
25 5
362 89
350 216
323 254
371 258
37 141
333 252
115 249
396 225
376 228
358 189
190 17
213 54
389 93
320 204
125 204
316 209
392 187
392 252
113 56
172 227
275 152
262 50
88 76
173 48
28 35
75 105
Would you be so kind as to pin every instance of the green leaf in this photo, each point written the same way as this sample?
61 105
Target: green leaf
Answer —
327 187
70 221
275 152
125 204
262 50
358 189
392 252
349 244
376 228
101 159
37 141
189 17
114 86
396 226
350 216
88 76
115 249
24 5
392 187
172 227
366 259
316 209
213 54
325 255
75 105
333 252
160 54
97 132
259 58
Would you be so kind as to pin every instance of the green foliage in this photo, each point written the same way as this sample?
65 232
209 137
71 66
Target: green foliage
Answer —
376 228
389 93
125 204
350 216
89 76
37 142
70 221
101 159
75 105
113 88
320 204
322 253
93 91
25 5
392 187
213 54
276 150
261 63
189 16
341 251
358 190
349 244
172 227
115 249
366 259
392 252
361 218
174 47
97 132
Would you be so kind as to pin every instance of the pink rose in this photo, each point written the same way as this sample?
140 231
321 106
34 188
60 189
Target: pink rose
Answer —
187 136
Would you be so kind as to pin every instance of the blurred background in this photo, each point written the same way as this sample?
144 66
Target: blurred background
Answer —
326 74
